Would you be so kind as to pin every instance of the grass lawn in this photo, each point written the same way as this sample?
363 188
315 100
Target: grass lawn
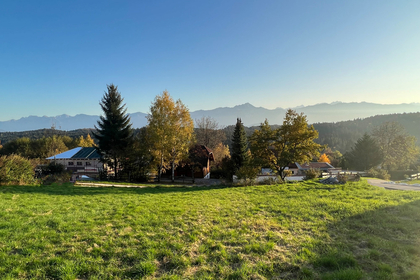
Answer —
412 182
291 231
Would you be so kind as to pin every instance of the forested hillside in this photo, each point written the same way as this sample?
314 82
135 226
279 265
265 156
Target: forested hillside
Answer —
38 134
342 135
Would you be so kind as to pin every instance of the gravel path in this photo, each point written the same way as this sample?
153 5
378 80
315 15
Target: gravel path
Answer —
392 186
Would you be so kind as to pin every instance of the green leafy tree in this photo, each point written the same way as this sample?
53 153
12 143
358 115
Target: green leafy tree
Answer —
114 132
137 165
35 148
20 146
365 154
70 142
239 153
398 148
292 142
171 132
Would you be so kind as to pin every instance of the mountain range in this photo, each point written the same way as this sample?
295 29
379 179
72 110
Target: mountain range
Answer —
250 115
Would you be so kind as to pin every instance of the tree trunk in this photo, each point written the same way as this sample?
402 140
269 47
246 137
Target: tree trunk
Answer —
192 174
115 168
173 172
160 169
281 173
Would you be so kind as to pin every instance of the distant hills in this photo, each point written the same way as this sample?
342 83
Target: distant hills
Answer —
225 116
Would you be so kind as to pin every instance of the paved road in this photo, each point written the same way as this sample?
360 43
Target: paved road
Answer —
383 184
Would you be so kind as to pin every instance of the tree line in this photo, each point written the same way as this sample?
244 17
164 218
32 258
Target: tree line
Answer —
169 140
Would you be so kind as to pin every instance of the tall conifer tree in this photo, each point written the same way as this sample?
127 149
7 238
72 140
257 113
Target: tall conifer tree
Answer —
239 145
114 132
365 154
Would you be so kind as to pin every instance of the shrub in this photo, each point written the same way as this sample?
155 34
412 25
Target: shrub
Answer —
271 181
312 174
227 169
287 173
16 170
61 178
397 175
216 173
53 168
379 173
247 175
342 178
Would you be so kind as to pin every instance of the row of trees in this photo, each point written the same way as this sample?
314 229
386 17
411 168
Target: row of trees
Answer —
44 147
274 148
168 140
164 143
388 147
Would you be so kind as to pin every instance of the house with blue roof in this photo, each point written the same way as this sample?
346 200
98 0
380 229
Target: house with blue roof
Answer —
80 161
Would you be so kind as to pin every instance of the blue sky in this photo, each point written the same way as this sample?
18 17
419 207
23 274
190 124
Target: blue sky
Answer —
58 56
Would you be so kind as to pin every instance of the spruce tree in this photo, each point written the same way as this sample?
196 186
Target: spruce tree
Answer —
365 154
239 145
114 132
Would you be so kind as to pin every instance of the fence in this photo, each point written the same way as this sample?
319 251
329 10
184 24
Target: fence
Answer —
334 174
415 176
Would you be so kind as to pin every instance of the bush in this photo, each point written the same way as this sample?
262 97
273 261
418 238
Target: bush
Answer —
342 178
271 181
227 169
61 178
397 175
379 173
53 168
312 174
16 170
247 175
216 173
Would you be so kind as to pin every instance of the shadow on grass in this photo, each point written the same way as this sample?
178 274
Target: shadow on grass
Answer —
69 189
379 244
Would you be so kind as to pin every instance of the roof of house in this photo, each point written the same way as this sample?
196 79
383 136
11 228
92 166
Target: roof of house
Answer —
209 152
292 165
315 165
78 153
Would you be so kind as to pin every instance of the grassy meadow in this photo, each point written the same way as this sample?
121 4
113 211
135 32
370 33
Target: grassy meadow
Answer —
291 231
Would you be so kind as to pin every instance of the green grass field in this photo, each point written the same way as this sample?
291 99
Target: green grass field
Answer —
412 182
291 231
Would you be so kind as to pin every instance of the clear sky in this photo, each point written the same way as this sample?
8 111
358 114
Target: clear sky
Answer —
58 56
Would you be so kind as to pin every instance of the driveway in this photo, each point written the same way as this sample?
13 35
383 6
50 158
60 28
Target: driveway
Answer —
389 186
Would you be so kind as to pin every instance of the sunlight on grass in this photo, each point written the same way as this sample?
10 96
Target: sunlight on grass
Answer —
297 230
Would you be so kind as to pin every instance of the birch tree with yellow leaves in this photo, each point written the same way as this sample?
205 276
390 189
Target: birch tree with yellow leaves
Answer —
171 132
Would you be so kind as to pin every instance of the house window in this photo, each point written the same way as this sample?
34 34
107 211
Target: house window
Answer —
71 163
88 163
293 172
79 163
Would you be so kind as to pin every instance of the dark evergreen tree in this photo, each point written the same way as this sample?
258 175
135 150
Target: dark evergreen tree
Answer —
113 133
365 154
239 153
